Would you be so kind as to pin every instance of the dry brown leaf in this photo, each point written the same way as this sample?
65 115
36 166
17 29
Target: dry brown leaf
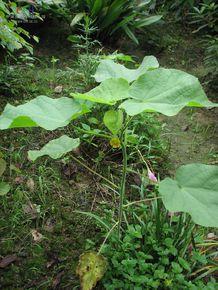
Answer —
57 280
49 225
30 184
7 260
58 89
37 237
31 210
19 180
211 236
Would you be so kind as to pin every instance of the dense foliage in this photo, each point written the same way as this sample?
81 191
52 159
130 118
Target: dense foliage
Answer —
12 36
156 252
113 17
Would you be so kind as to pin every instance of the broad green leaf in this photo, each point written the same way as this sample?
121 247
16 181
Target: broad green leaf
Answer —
147 21
2 166
184 264
4 188
77 18
108 92
55 148
195 191
109 69
97 6
91 269
119 56
113 120
42 111
165 91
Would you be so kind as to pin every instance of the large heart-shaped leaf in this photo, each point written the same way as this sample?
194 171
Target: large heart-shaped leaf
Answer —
91 269
109 69
55 148
165 91
108 92
195 191
4 188
42 111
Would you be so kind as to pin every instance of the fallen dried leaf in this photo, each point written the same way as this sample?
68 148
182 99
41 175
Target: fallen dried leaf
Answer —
7 260
137 179
37 237
30 184
211 236
70 169
19 180
185 128
58 89
31 210
49 225
57 280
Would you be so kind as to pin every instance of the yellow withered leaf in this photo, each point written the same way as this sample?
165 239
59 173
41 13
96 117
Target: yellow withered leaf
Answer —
115 142
91 269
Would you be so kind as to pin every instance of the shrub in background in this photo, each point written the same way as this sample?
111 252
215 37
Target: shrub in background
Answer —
12 36
112 17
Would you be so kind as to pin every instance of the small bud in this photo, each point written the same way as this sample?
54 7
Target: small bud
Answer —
115 142
151 176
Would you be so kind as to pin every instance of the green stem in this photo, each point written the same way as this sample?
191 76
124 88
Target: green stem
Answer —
142 201
93 133
107 236
123 180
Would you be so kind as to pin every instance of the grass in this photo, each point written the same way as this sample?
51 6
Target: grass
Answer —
46 193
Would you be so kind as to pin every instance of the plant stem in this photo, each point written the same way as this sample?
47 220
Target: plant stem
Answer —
93 133
142 201
123 180
107 236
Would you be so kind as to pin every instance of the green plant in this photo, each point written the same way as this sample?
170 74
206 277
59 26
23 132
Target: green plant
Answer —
130 92
13 37
112 17
56 9
148 257
4 187
180 8
84 41
87 61
210 44
204 16
211 54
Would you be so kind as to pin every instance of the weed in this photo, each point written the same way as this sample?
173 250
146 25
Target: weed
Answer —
145 257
